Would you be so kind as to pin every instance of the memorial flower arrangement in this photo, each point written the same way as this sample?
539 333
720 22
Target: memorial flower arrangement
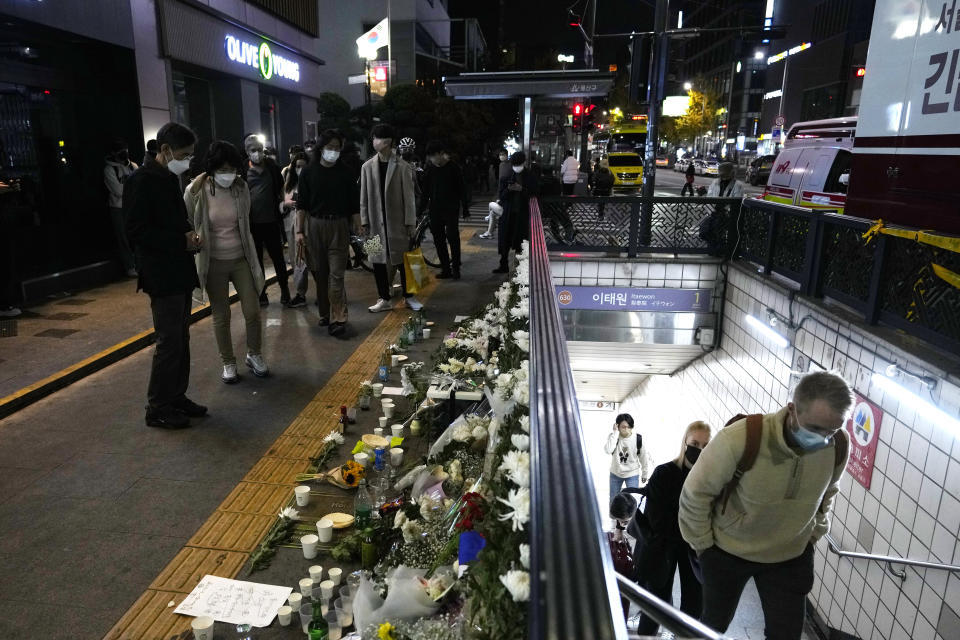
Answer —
373 246
352 473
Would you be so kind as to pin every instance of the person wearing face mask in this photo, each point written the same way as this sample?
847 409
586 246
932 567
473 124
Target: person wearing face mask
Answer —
661 550
445 195
291 184
515 193
118 168
266 196
388 209
327 203
164 242
765 525
218 201
629 461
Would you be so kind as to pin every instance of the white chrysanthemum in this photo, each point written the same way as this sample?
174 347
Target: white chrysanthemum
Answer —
525 423
289 513
522 339
479 432
450 343
525 555
520 441
516 466
518 584
400 519
429 508
334 436
462 433
519 501
412 530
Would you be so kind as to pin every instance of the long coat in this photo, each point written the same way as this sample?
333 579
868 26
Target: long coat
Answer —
195 199
393 228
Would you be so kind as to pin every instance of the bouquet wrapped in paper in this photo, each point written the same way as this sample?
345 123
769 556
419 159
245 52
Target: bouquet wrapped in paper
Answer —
408 598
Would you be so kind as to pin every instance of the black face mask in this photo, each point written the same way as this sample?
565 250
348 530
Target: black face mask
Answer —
122 156
691 454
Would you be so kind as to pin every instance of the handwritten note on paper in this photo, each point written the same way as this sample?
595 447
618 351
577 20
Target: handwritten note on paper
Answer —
234 601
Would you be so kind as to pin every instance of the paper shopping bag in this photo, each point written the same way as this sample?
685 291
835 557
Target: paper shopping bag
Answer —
415 270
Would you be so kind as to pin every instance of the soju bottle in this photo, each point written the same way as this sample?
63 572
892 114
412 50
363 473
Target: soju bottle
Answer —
318 629
411 330
383 371
343 418
420 325
368 551
362 505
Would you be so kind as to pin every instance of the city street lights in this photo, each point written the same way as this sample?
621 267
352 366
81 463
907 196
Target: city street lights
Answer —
687 86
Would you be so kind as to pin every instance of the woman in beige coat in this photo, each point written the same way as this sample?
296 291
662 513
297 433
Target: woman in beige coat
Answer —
218 201
388 210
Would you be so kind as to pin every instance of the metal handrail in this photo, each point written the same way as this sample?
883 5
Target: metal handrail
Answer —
670 618
890 560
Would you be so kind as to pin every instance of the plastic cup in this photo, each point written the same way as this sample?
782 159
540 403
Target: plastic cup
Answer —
377 389
284 615
327 587
353 583
361 459
346 593
202 628
325 533
394 361
306 586
387 413
333 622
396 456
295 600
378 431
396 430
303 495
344 611
387 402
316 571
309 543
352 415
383 421
426 333
335 574
306 614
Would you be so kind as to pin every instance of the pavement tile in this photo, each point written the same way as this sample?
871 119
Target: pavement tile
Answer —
254 497
151 619
190 565
91 475
232 531
21 619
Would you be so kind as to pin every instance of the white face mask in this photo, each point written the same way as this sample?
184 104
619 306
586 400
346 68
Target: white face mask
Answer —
177 167
329 155
517 169
298 170
256 157
225 179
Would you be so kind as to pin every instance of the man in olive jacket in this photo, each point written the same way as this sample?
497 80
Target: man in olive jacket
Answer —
164 242
779 509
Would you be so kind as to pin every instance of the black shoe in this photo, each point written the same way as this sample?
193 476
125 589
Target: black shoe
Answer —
296 302
501 269
189 408
337 328
570 236
264 301
166 418
324 321
284 297
444 275
456 274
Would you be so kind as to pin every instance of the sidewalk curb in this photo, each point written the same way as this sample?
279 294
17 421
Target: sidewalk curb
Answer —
65 377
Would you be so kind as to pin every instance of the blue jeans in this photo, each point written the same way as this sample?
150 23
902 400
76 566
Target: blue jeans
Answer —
616 482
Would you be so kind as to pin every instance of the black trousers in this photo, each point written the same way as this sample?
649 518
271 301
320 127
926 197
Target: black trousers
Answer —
445 227
568 188
657 565
267 234
783 589
170 370
384 277
687 186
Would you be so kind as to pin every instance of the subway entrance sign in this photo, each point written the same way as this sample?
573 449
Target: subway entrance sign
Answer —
633 299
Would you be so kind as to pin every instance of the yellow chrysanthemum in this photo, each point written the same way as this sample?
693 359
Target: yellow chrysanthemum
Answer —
385 632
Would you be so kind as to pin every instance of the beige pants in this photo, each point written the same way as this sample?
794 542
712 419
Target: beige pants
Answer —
219 276
328 244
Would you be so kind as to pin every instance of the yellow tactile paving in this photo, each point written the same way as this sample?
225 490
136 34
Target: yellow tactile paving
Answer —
191 564
222 545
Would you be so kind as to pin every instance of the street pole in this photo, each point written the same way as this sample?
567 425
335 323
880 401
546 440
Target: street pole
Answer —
660 52
593 32
389 48
783 85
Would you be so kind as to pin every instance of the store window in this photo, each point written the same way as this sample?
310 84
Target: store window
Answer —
303 14
823 102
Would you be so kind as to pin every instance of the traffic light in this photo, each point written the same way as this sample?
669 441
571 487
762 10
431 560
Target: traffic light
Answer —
577 119
577 110
588 117
638 69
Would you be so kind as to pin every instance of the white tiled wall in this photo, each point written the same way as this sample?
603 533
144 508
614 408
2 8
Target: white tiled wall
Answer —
912 508
600 273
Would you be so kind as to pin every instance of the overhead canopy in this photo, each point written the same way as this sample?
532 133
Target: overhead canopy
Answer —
516 84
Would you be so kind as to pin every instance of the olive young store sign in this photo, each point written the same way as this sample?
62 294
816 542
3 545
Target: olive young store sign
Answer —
261 58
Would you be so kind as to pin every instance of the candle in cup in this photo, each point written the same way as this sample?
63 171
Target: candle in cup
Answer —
426 333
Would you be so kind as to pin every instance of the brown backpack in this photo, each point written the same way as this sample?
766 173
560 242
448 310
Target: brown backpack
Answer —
752 448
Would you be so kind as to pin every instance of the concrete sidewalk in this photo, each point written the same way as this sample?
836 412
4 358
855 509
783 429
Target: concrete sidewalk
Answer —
93 504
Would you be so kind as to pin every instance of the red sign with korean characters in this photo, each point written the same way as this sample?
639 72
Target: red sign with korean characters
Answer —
863 427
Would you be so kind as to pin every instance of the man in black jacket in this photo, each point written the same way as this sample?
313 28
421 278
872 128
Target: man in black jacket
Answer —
515 193
164 242
266 194
445 194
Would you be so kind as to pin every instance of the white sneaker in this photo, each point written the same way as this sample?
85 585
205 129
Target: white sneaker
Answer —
414 304
257 365
382 305
484 235
9 312
230 374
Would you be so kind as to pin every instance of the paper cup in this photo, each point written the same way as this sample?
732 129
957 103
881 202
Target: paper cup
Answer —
394 361
302 494
327 587
396 430
325 533
362 459
335 574
377 389
426 333
202 628
306 587
309 543
396 456
383 421
316 571
387 412
295 600
284 615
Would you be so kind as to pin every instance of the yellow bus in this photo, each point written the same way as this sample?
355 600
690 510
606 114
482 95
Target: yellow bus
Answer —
629 136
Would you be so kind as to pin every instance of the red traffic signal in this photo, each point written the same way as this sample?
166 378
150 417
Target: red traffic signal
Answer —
861 71
577 109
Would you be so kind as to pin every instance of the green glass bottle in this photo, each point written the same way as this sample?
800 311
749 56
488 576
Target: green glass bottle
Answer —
362 505
318 629
368 551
